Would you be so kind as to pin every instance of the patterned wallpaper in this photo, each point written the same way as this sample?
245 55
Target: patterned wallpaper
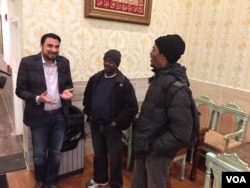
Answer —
217 35
218 39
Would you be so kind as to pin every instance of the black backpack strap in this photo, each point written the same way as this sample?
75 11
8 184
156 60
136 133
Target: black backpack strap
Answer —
196 121
172 90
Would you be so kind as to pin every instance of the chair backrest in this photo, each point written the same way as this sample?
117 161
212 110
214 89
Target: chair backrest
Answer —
205 106
222 163
127 139
126 135
231 118
205 115
228 123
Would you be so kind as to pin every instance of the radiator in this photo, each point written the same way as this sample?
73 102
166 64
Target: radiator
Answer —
72 161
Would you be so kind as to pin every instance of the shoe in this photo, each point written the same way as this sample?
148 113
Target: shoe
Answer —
39 185
50 186
93 184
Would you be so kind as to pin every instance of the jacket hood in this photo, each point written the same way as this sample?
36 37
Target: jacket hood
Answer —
176 69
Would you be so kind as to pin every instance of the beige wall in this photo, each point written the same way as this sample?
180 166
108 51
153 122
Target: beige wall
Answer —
217 35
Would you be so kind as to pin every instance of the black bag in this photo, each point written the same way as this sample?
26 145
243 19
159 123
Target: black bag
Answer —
74 130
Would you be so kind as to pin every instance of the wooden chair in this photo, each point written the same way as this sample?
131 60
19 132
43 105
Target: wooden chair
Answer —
228 128
127 140
180 156
206 107
222 163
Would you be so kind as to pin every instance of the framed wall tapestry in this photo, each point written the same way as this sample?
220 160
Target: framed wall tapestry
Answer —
131 11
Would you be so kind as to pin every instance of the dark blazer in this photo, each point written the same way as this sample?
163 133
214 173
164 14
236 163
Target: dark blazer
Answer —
31 83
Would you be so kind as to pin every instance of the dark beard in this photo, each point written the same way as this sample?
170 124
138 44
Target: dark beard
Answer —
46 57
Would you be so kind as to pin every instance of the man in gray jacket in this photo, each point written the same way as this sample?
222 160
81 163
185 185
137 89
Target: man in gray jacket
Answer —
162 129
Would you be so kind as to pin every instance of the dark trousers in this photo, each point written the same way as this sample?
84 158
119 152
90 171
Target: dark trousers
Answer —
107 144
151 172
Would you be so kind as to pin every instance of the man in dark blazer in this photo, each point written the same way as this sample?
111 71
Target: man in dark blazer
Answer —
44 82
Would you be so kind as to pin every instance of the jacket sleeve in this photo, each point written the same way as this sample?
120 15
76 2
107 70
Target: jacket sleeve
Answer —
28 82
69 82
179 125
87 97
129 107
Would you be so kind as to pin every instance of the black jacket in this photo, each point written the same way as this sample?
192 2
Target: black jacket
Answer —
161 129
124 102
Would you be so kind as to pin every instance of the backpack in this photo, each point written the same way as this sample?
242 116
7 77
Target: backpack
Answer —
172 90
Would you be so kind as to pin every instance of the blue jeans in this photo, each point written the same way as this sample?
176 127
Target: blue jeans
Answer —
107 140
47 140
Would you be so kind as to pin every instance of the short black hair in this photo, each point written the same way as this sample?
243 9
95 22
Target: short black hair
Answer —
50 35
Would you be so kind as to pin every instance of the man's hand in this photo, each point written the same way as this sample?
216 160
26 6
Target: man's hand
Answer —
43 98
67 94
113 124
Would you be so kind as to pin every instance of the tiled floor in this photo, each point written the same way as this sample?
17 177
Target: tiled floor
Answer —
9 142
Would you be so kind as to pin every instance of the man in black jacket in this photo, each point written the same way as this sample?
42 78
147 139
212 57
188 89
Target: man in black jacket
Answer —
110 104
162 128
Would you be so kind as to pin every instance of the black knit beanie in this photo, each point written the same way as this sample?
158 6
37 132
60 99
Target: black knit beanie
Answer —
115 55
171 46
